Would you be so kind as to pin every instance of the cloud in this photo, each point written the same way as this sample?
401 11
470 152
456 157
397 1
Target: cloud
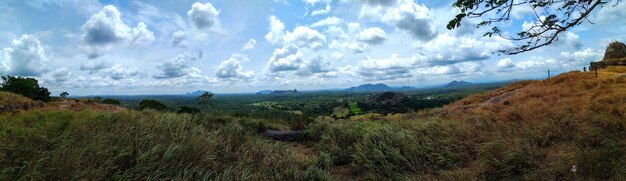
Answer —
317 65
391 68
93 67
203 16
178 38
352 46
329 21
106 28
231 69
305 36
313 2
415 19
117 72
447 49
288 58
59 75
250 44
277 30
505 63
379 2
175 67
326 10
372 36
25 57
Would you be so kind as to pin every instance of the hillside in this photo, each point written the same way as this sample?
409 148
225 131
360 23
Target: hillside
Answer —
369 87
528 130
10 102
455 84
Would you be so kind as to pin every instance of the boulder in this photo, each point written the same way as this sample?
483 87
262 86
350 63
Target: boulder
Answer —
615 50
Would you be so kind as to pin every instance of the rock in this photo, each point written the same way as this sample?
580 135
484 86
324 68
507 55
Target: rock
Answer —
386 99
615 50
281 135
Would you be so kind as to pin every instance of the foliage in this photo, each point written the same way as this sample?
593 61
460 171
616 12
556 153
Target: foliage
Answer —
28 87
64 95
152 104
205 98
60 145
111 101
187 109
551 18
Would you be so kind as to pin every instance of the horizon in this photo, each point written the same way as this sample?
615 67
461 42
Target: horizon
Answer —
166 47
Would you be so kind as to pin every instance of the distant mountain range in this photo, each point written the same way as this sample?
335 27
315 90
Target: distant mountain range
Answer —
458 84
195 93
278 92
369 87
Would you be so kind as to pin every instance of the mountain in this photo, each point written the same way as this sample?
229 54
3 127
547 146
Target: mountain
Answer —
459 84
264 92
196 93
369 87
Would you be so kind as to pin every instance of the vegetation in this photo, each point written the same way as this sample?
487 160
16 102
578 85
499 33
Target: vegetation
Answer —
111 101
528 130
551 18
64 95
28 87
152 104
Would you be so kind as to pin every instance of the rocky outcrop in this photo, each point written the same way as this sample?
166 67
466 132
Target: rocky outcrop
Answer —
386 99
615 55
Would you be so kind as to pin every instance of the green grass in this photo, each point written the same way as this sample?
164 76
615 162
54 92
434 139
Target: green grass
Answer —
59 145
354 107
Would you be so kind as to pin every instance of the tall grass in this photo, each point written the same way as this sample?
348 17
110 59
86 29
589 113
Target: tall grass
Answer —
59 145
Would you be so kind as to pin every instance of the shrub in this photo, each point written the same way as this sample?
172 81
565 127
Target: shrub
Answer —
187 109
152 104
111 101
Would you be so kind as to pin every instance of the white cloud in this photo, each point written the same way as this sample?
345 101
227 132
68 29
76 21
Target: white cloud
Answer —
391 68
446 49
329 21
354 47
326 10
117 72
313 2
106 28
505 63
372 36
25 57
178 38
175 67
288 58
305 36
203 16
277 30
250 44
94 67
415 19
231 69
317 65
379 2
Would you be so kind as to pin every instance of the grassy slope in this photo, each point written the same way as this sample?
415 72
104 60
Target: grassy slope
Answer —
539 132
14 102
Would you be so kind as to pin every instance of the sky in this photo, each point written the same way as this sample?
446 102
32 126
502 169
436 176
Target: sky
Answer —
130 47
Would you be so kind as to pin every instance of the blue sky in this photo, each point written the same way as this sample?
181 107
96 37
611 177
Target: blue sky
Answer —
89 47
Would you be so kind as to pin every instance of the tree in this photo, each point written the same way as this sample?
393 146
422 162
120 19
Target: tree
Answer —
64 95
111 101
152 104
187 109
551 18
28 87
205 98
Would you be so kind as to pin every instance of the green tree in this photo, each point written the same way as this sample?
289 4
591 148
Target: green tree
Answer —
111 101
64 95
551 18
187 109
152 104
28 87
205 98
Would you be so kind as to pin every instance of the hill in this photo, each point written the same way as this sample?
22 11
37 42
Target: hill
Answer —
369 87
10 102
455 84
196 93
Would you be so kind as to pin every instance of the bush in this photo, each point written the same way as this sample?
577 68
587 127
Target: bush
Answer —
187 109
28 87
111 101
152 104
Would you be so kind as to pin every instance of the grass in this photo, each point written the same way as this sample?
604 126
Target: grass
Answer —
14 102
63 145
354 108
538 133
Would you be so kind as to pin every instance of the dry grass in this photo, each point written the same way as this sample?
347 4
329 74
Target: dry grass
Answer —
11 102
